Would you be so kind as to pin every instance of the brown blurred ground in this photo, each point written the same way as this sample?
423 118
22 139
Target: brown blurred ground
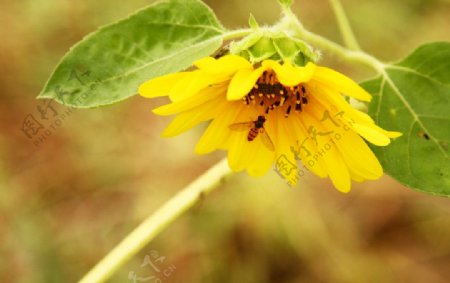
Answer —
66 202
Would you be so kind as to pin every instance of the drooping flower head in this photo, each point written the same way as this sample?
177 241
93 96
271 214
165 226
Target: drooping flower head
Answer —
270 113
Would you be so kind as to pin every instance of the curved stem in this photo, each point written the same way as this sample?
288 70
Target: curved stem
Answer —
157 222
236 34
291 23
346 31
351 55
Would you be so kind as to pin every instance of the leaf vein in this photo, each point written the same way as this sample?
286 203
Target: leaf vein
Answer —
415 72
411 110
380 94
174 54
205 27
434 117
409 148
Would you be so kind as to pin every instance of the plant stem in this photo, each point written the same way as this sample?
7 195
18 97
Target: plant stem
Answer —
294 26
236 34
157 222
346 31
351 55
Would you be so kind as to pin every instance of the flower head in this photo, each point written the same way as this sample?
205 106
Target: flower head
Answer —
274 113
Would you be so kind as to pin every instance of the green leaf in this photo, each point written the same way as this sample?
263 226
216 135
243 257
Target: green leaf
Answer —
413 97
286 3
109 65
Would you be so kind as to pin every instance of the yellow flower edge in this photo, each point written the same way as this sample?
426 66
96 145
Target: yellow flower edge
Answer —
274 114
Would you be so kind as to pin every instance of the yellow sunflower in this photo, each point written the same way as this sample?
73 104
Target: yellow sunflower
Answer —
273 113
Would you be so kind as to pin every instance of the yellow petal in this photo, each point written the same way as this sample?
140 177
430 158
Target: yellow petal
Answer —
242 82
331 157
226 65
304 147
332 100
241 152
246 153
356 120
340 83
192 83
371 134
338 172
290 75
392 135
192 102
218 131
358 156
236 144
353 149
161 86
190 118
355 176
262 161
283 138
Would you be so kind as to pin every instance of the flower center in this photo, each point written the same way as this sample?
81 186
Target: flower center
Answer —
270 94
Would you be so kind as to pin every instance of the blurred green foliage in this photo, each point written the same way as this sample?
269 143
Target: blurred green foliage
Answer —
65 202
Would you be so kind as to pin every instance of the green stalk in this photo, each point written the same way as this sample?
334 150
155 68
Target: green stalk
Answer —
157 222
344 26
346 54
291 23
236 34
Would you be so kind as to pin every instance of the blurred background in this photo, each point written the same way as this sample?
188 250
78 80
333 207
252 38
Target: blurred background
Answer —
70 197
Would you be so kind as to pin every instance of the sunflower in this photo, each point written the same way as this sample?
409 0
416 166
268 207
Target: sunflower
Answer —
271 113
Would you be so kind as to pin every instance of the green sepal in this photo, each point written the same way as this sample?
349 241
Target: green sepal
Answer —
262 50
286 3
274 45
252 22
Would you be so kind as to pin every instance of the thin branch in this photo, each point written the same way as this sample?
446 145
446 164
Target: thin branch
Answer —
344 25
236 34
157 222
291 23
